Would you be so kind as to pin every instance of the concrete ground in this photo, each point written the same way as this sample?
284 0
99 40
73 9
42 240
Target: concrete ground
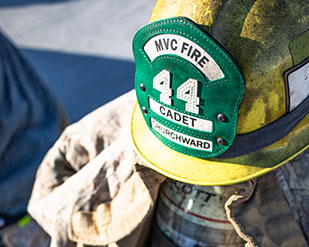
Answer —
80 48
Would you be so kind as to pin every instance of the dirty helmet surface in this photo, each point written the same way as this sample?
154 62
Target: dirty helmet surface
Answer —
222 95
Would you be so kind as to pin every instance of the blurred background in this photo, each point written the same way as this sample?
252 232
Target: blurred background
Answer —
80 48
75 54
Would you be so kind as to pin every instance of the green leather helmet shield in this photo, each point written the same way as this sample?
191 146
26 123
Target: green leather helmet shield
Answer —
188 87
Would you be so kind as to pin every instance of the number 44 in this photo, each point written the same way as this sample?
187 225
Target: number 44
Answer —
186 91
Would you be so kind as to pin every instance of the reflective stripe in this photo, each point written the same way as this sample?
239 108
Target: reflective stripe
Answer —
298 84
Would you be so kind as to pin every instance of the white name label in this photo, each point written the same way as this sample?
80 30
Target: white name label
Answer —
181 139
180 118
298 82
178 45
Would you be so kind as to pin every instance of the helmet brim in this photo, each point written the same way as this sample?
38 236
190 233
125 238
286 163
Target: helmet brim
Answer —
213 172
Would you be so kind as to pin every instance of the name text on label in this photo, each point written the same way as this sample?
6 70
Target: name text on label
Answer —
181 139
180 118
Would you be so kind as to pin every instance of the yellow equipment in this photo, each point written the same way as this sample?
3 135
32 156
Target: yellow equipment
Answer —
269 42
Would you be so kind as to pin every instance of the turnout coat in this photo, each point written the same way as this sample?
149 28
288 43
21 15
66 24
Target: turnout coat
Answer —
93 190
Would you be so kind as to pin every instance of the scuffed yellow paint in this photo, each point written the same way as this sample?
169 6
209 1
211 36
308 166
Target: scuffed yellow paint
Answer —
266 38
201 12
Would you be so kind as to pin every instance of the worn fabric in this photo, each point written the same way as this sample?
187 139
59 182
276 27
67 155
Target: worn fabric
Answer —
93 190
261 215
30 122
90 188
293 178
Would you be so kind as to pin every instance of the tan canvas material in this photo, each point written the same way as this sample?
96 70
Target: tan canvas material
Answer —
92 190
261 215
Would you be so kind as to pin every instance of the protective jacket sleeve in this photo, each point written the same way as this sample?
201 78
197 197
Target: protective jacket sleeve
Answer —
89 187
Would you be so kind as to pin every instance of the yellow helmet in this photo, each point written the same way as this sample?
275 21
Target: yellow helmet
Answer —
222 88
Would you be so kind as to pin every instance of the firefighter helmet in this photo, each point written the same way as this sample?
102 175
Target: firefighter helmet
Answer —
222 88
